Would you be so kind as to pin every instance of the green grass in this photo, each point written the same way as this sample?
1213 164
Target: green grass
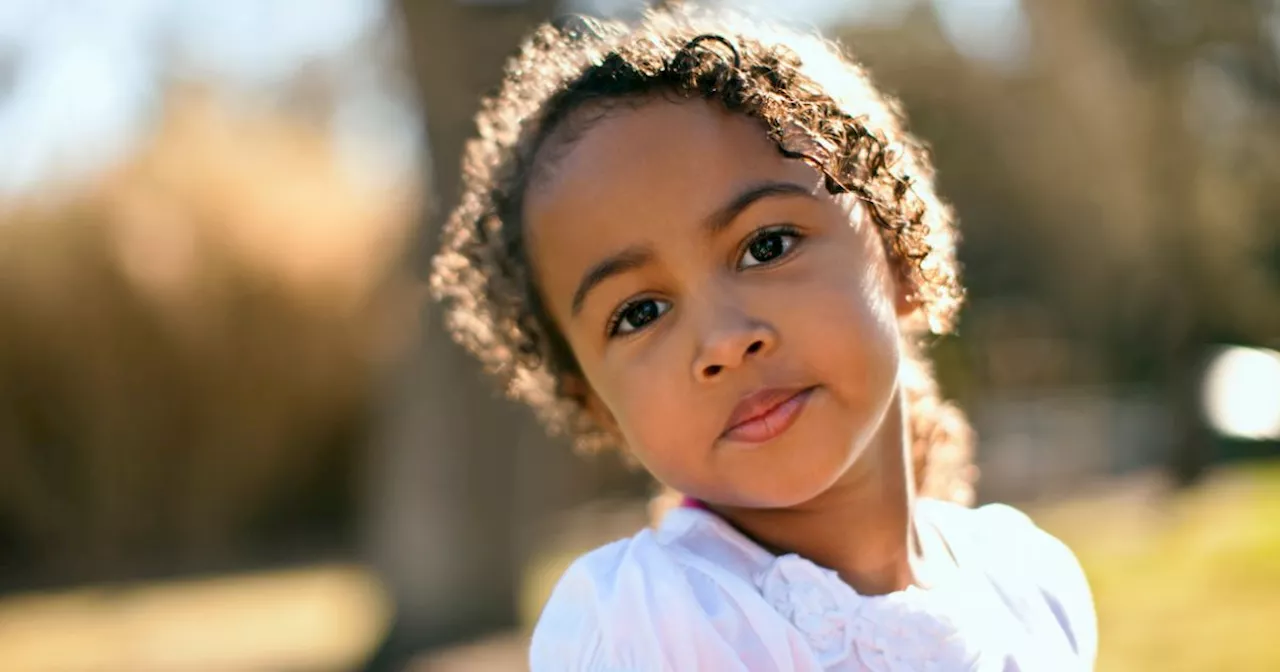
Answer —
1183 582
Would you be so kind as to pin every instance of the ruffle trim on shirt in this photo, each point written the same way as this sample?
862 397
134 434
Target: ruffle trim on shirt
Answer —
913 629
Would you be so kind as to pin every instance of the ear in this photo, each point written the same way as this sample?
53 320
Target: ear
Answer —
906 294
576 387
898 281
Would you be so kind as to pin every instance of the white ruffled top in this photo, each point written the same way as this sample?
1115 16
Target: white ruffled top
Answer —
698 595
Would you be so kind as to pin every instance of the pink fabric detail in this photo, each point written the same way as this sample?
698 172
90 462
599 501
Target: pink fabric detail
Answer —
692 503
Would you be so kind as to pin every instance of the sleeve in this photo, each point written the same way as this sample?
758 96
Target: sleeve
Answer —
1066 589
1061 580
575 633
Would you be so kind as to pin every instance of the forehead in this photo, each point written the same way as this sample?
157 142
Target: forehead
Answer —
637 166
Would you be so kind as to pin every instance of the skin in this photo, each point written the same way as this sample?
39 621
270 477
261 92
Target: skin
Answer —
713 302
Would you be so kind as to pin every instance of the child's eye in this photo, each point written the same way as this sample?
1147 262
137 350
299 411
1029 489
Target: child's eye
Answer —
636 315
768 245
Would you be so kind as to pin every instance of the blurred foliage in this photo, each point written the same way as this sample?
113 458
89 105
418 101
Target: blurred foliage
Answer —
189 342
1115 188
1116 194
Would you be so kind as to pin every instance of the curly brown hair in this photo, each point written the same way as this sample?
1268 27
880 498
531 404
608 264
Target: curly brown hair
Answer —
816 106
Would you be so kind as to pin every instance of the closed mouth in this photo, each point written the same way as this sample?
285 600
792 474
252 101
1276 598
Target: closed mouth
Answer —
763 415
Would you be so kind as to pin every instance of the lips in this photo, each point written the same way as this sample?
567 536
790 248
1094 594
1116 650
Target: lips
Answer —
763 415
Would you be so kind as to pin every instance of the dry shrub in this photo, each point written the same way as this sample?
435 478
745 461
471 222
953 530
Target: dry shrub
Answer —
186 341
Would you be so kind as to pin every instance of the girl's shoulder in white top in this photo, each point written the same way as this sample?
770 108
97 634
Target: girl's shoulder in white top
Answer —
696 594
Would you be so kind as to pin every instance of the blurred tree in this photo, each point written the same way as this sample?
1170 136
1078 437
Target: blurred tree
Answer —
1090 187
454 460
1167 45
187 343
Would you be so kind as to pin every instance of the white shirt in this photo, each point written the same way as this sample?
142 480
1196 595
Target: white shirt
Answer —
698 595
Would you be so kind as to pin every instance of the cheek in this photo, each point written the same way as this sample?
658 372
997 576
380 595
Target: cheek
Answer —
845 330
844 322
651 401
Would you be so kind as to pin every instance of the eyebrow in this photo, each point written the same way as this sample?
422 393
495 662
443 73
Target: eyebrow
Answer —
638 256
628 259
722 217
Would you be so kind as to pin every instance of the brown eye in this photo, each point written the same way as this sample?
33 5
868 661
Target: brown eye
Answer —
636 315
767 246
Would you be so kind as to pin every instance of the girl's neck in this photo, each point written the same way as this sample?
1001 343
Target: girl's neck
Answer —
862 527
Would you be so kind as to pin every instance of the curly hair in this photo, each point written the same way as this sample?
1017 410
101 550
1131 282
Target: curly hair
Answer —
813 103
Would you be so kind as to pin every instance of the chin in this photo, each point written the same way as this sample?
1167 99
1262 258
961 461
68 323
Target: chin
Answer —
786 482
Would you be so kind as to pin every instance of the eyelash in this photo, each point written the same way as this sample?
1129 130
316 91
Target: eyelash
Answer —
615 320
787 230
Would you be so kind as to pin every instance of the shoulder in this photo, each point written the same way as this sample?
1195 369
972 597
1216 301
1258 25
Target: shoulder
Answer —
634 604
1009 539
577 628
1046 558
1000 529
609 573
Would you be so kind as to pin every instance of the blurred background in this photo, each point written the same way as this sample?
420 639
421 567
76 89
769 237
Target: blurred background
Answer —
234 437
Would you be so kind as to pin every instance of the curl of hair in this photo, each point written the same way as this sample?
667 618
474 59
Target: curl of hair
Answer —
812 102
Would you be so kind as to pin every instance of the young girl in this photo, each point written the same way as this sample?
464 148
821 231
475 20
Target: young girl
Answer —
713 245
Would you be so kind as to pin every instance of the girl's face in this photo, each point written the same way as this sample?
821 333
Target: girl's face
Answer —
736 324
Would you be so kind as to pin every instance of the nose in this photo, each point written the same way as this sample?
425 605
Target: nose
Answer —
728 342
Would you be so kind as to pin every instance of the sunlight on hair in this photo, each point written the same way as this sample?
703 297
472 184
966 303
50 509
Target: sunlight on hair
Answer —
1242 393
